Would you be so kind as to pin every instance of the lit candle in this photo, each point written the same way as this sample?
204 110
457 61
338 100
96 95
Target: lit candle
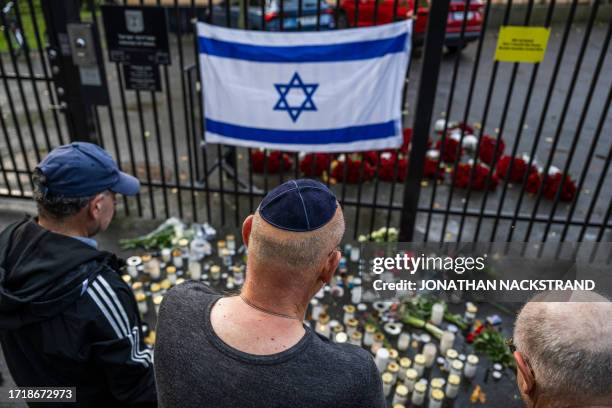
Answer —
231 243
220 246
382 359
379 338
171 274
323 325
137 288
419 364
215 272
436 384
437 396
470 312
356 338
447 341
411 378
157 302
437 313
349 313
356 294
142 304
418 394
177 258
387 380
404 364
195 269
456 367
403 342
452 386
166 254
451 355
351 326
393 354
430 351
393 368
152 267
400 396
368 338
341 338
471 366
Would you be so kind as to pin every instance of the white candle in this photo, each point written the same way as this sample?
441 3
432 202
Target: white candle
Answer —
430 351
177 258
437 313
356 338
368 338
349 313
403 342
401 395
410 380
418 394
355 254
452 386
142 303
437 396
316 309
387 380
153 268
404 364
356 294
456 367
157 299
215 272
393 368
471 366
195 270
132 265
447 341
166 254
382 359
419 364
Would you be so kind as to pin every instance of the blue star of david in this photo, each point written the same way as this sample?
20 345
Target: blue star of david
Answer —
283 90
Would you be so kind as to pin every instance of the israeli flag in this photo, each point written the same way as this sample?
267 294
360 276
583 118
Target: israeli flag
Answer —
332 91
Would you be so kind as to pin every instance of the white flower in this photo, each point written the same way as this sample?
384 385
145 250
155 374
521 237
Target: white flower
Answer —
470 142
439 125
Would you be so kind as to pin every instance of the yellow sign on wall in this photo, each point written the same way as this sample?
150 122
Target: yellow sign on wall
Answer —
521 44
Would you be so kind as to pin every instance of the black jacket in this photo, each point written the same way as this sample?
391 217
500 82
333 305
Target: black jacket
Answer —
68 319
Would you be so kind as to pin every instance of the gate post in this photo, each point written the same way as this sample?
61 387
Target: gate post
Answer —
434 41
66 76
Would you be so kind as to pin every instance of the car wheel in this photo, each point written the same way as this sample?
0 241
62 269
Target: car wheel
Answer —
342 20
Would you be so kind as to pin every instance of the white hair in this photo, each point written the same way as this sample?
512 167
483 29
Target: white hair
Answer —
569 346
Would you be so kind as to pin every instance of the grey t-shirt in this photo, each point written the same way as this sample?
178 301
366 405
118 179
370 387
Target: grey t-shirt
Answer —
195 368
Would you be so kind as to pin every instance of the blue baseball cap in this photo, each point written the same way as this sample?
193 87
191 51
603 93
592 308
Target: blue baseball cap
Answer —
299 205
82 169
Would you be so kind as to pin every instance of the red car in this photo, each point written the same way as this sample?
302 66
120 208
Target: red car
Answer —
361 13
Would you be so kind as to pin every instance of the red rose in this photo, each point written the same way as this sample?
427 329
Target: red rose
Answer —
387 169
407 139
258 161
430 168
451 149
353 171
467 129
371 157
315 164
481 172
553 183
533 182
487 149
519 167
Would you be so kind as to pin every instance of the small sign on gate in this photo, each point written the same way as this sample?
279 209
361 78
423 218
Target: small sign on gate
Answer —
142 77
522 44
136 35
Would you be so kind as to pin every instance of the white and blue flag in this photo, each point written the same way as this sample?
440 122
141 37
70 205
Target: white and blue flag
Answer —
333 91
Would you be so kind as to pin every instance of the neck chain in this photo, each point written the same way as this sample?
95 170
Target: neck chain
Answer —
261 309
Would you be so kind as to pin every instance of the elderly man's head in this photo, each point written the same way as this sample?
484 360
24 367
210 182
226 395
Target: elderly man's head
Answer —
564 352
292 239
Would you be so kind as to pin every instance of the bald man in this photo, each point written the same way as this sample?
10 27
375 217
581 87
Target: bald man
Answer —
564 352
253 350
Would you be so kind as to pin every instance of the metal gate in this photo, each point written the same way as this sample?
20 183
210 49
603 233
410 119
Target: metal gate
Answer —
555 112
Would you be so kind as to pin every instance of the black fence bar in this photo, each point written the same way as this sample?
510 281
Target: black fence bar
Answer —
436 32
9 146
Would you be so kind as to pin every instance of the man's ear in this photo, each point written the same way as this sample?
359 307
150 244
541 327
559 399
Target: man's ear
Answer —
525 378
247 225
331 264
95 206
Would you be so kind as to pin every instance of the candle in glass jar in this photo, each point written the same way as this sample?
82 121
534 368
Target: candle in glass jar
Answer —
215 272
470 312
354 254
356 338
142 303
403 342
378 342
447 341
230 242
166 254
157 299
368 338
404 364
456 367
171 274
411 378
418 394
437 396
437 313
341 338
349 313
382 359
137 288
387 380
133 263
323 325
471 366
356 294
153 268
195 269
316 309
452 386
393 368
400 396
436 384
238 274
430 351
451 355
177 258
220 246
419 364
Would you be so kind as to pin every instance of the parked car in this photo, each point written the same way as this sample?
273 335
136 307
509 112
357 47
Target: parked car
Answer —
293 20
362 13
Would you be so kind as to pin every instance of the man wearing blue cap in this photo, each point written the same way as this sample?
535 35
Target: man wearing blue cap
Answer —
253 350
67 319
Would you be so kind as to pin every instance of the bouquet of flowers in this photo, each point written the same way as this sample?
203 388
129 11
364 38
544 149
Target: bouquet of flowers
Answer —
387 170
354 172
553 183
275 160
451 149
315 164
481 172
519 168
488 153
